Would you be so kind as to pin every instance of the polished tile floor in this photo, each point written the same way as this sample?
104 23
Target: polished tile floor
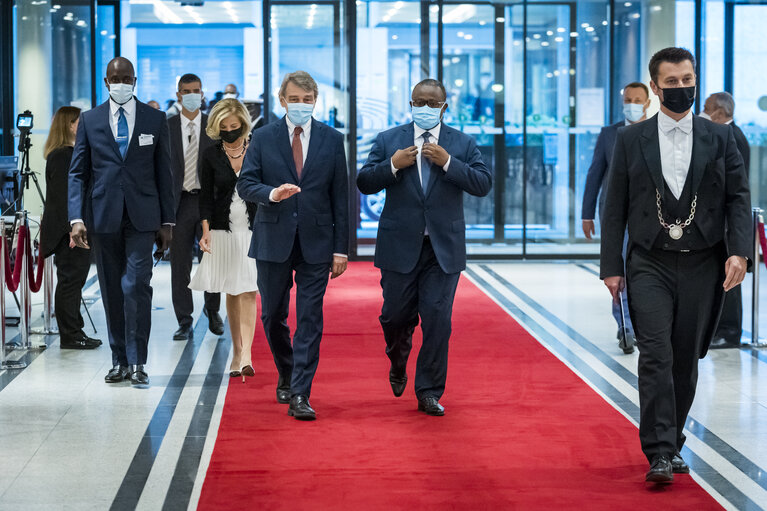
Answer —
69 441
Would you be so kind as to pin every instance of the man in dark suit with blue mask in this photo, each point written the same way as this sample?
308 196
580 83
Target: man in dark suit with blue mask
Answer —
121 198
636 99
425 168
295 169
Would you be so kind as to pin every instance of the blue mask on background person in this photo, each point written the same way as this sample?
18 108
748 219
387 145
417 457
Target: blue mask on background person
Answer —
300 113
633 111
120 92
191 101
426 117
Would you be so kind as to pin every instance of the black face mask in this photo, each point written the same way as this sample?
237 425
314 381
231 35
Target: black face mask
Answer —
230 136
678 99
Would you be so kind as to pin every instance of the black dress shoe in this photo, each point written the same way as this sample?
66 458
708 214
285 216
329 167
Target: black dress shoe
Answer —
678 466
283 390
626 342
215 323
91 340
431 406
300 409
184 333
78 344
398 382
720 343
117 374
138 375
660 471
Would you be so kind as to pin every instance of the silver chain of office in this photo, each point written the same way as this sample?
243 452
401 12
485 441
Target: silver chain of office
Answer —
675 230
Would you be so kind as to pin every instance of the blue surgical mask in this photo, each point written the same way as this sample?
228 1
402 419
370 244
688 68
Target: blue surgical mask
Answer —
426 117
633 111
300 113
120 92
191 101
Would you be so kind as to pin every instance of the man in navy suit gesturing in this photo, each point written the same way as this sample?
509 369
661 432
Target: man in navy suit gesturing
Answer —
425 167
121 190
295 169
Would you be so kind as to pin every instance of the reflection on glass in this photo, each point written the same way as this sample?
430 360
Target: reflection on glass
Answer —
105 47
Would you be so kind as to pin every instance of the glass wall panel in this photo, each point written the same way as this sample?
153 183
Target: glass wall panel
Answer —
105 47
712 59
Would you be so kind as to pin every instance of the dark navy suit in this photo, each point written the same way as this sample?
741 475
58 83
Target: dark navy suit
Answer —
123 203
419 274
299 234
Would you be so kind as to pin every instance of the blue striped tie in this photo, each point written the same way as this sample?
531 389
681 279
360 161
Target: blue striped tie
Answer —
122 132
425 164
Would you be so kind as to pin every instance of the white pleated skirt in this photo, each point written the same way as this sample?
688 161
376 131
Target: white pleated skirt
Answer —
227 268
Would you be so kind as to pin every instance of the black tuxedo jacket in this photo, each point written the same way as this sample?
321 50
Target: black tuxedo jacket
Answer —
718 177
743 147
177 151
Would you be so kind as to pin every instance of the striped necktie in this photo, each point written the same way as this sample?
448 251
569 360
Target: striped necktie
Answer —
425 163
191 182
122 132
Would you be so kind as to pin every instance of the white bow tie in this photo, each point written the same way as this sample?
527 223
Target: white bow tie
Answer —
667 124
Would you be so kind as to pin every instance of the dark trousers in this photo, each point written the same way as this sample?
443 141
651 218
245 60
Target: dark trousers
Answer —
182 249
673 299
124 264
298 362
72 266
429 292
731 322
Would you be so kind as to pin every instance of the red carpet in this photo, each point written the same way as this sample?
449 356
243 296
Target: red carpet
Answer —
521 431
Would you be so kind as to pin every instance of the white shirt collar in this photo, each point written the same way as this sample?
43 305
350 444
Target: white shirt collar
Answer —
306 127
129 107
434 132
667 124
730 121
185 122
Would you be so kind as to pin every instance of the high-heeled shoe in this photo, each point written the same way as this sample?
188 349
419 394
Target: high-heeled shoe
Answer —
248 371
234 374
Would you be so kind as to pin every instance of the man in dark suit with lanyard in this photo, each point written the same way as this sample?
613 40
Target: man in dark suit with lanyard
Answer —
636 99
121 189
720 108
677 181
188 140
425 167
295 169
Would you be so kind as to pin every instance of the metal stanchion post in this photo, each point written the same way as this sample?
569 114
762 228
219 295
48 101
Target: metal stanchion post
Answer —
756 213
47 300
4 362
26 295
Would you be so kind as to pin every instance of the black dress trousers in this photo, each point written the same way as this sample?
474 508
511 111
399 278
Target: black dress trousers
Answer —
72 266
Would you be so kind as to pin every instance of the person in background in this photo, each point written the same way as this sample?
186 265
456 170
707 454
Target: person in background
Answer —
231 92
227 222
174 108
188 141
154 104
636 100
720 108
72 263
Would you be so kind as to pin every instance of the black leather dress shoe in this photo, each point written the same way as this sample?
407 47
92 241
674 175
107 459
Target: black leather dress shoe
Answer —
138 375
184 333
117 374
84 343
91 340
283 390
398 382
215 323
720 343
678 466
431 406
660 471
300 409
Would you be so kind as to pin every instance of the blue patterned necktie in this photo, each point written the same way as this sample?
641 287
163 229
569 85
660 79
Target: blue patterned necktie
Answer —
122 132
425 163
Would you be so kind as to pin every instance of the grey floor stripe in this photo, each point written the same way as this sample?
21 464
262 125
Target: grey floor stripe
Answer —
182 483
713 478
8 375
135 479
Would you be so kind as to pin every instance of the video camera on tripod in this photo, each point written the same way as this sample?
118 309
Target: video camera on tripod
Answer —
25 123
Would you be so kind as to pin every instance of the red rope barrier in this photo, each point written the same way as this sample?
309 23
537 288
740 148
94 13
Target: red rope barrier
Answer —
13 276
34 282
763 241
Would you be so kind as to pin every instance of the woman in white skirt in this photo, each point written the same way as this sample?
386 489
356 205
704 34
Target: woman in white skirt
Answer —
227 222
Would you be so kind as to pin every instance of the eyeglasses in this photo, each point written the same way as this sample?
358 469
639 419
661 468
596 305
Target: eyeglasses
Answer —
432 104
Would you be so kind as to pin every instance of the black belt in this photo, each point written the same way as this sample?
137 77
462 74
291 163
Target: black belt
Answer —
192 192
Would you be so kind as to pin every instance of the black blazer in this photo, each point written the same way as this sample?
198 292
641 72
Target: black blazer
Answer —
600 162
217 179
718 177
743 147
177 151
54 224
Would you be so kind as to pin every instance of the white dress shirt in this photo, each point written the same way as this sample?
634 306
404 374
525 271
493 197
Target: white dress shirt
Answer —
418 142
130 116
675 140
196 125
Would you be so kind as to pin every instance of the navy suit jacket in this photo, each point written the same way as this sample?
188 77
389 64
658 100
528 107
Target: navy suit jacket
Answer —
600 162
320 212
407 211
102 184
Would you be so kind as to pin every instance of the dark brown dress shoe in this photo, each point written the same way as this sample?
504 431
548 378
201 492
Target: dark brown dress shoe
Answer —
678 466
184 333
138 375
215 323
300 409
431 406
283 390
117 374
398 383
660 471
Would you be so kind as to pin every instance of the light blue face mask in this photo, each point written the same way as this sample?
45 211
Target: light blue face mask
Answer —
120 92
300 113
633 111
191 101
426 117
